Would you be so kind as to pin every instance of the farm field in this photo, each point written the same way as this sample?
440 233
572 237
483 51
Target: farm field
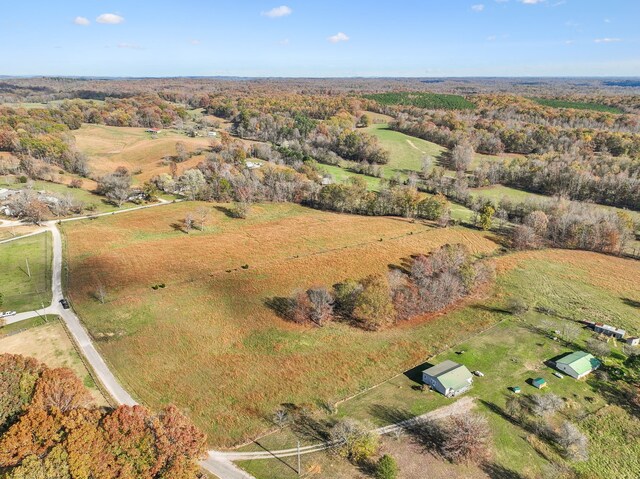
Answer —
50 344
509 353
406 151
21 292
208 342
108 147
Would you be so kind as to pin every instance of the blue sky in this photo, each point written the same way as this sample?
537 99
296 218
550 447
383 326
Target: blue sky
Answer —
320 37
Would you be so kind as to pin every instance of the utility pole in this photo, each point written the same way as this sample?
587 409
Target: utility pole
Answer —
299 472
28 269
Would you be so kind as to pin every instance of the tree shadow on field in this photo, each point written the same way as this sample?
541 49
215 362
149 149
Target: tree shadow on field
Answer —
498 471
227 212
179 227
283 307
631 302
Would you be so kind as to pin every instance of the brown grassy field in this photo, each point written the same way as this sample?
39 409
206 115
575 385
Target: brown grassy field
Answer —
51 345
108 147
208 342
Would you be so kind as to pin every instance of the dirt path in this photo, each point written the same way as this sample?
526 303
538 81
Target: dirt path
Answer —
461 406
412 145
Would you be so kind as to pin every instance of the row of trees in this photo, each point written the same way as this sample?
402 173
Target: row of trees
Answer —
427 283
49 427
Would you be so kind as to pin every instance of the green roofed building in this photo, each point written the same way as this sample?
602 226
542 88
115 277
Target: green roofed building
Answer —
577 364
448 378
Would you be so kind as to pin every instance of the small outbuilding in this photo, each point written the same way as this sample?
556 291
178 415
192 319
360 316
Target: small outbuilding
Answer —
448 378
633 341
609 330
577 364
539 383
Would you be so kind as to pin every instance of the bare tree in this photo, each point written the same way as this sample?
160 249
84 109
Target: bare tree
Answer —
101 293
281 418
545 404
321 302
598 348
573 441
202 213
188 222
466 438
462 156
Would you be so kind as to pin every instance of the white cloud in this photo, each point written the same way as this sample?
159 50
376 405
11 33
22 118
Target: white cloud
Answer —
338 37
81 21
607 40
477 8
110 18
195 42
129 46
532 2
277 12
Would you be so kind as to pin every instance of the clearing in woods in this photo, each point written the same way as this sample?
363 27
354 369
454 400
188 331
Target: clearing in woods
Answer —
209 343
50 344
108 147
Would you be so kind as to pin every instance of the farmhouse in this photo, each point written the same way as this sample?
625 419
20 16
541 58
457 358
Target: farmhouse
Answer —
577 364
153 130
448 378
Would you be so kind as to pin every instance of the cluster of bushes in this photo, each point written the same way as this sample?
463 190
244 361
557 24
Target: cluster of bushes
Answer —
427 283
49 427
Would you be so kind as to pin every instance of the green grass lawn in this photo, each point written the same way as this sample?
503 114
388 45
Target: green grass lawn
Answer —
514 350
406 152
341 175
26 324
21 292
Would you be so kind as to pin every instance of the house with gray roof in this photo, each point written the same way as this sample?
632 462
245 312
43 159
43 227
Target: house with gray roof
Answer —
448 378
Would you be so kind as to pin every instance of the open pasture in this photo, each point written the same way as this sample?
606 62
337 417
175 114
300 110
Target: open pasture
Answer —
209 342
108 147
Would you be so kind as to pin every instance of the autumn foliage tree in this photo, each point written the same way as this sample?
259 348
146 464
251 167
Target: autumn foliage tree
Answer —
49 428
